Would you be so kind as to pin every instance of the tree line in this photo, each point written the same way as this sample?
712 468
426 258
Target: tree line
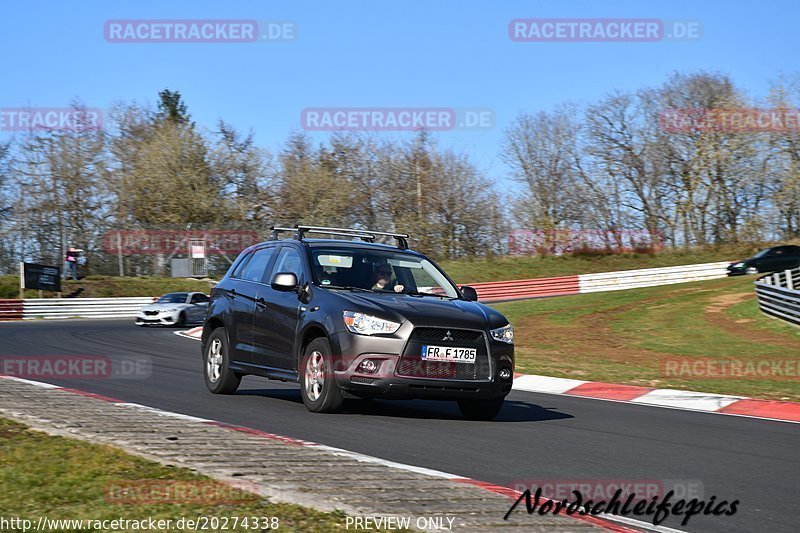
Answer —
606 166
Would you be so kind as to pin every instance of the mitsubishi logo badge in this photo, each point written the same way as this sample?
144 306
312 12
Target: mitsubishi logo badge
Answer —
447 336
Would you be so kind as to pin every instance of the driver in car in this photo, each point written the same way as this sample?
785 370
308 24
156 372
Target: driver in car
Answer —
383 279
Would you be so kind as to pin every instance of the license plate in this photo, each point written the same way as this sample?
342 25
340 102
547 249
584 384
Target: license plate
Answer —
449 353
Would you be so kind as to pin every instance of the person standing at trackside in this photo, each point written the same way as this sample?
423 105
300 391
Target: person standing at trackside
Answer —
71 262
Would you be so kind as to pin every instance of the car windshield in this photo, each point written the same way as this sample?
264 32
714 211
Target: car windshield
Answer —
173 298
380 271
762 253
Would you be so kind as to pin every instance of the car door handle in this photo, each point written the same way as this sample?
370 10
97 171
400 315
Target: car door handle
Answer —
261 303
231 294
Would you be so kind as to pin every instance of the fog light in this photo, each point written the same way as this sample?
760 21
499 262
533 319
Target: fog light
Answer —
367 366
505 374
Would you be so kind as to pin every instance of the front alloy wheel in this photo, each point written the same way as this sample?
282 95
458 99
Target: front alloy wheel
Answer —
219 378
321 393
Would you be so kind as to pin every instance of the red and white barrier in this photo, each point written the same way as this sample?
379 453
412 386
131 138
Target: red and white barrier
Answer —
10 310
496 291
671 398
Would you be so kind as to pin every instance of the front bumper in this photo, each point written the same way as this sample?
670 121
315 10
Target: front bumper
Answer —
390 380
161 319
737 271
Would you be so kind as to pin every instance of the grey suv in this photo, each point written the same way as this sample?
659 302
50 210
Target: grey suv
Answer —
354 316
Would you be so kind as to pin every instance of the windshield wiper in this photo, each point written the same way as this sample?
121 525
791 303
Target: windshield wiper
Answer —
417 293
346 288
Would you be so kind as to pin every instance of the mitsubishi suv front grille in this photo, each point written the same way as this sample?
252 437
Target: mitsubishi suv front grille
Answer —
412 365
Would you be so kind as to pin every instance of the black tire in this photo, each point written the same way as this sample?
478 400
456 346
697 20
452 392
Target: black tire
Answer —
480 409
321 393
181 319
219 378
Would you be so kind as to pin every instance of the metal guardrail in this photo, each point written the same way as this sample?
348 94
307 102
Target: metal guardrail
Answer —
487 292
83 307
779 295
603 281
650 277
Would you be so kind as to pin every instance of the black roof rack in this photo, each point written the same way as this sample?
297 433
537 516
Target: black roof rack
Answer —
366 235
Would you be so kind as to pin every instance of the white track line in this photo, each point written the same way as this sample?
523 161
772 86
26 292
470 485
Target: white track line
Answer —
697 401
533 383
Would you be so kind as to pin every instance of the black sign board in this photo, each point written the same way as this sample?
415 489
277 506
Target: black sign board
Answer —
42 277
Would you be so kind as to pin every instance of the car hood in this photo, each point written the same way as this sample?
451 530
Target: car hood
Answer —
162 307
425 310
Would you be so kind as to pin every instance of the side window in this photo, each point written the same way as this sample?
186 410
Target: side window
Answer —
240 267
199 298
254 271
289 261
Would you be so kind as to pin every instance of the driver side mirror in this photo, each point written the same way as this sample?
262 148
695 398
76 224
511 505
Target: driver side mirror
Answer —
469 293
284 281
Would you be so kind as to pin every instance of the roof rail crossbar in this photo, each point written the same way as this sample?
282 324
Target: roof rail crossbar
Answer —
366 235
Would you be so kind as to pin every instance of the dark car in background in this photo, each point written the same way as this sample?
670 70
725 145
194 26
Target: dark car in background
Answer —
355 316
769 260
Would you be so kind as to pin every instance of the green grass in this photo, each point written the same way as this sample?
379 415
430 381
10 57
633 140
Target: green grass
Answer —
64 478
623 336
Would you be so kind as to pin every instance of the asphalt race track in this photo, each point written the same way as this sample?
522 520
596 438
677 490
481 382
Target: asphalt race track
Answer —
536 437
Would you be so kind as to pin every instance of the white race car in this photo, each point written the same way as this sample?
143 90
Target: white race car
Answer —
174 309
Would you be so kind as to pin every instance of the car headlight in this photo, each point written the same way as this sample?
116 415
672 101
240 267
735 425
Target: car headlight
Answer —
504 334
368 325
169 310
738 265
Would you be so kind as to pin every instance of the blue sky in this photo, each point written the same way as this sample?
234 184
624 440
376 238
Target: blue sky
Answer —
369 54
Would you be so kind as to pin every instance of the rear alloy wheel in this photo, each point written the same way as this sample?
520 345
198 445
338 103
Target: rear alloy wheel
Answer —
219 378
321 393
751 270
480 409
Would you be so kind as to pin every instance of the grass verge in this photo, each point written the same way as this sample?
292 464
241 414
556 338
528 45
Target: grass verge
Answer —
61 478
625 337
